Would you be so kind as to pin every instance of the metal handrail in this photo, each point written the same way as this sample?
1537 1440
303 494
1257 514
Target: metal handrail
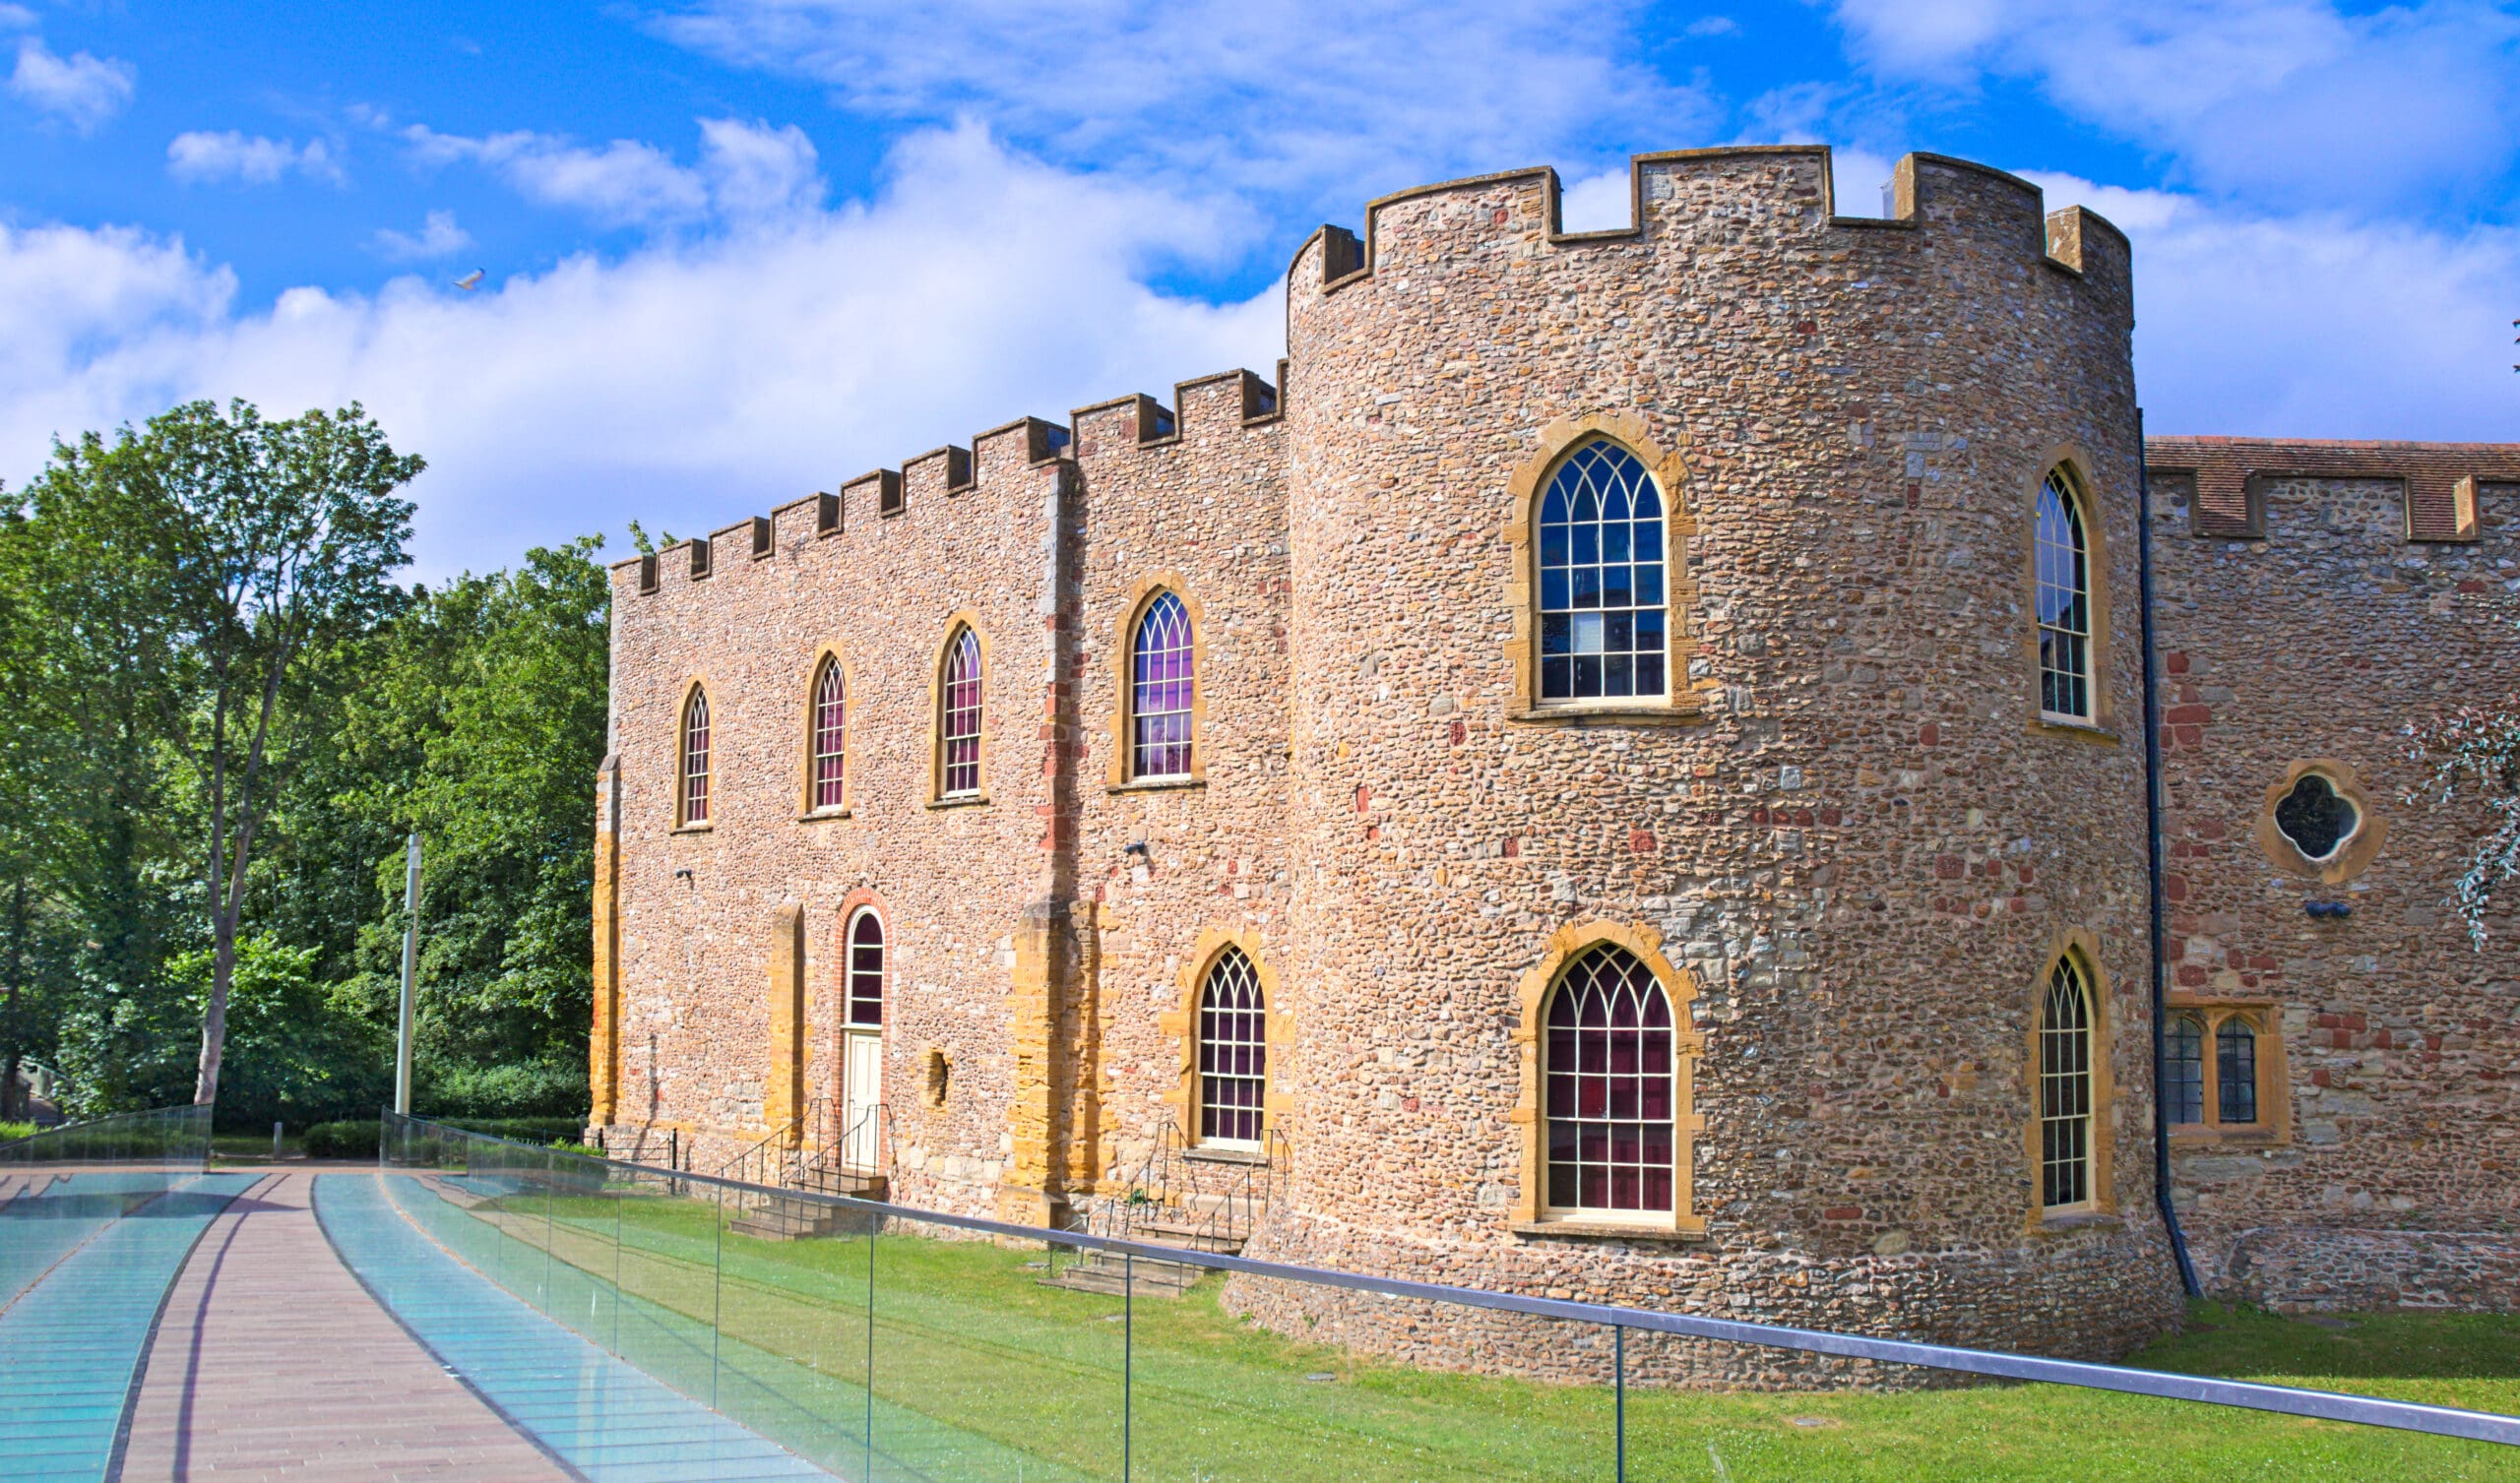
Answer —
2290 1400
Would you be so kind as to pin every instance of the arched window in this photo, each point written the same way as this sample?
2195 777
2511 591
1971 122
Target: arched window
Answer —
960 725
867 969
2236 1072
695 758
2065 1090
1601 616
2062 558
1607 1068
2183 1092
1233 1053
831 734
1161 686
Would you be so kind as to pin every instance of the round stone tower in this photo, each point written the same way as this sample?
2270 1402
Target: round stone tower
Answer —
1850 839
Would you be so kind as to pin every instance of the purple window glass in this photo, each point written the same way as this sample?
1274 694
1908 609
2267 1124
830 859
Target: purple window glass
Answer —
831 730
1233 1053
695 759
867 969
1161 686
963 714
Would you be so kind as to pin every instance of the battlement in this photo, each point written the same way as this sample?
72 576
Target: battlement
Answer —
1676 194
2443 484
1233 401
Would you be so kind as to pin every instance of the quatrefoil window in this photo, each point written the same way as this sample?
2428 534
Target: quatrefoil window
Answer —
2317 818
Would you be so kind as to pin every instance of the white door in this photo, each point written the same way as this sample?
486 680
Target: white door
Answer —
861 1088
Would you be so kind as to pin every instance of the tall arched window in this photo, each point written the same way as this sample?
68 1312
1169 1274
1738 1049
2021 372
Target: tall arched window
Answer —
2065 1090
2236 1072
867 969
831 734
959 728
1608 1070
1233 1054
1161 686
695 758
2183 1092
2062 558
1601 616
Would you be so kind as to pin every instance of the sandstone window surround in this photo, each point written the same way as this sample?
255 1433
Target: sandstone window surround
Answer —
825 785
1216 947
1563 578
2072 1090
2320 801
959 757
2228 1081
1607 1115
1160 701
691 759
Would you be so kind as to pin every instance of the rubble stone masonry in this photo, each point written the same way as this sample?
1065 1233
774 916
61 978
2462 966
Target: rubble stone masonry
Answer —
1848 843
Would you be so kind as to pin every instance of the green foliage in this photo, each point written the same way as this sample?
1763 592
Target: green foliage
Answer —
12 1131
343 1140
224 721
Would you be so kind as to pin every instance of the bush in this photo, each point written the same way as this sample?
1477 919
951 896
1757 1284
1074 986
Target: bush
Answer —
342 1140
12 1131
507 1092
539 1131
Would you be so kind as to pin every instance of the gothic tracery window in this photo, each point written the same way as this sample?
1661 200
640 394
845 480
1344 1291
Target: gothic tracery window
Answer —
694 783
1602 615
2064 562
1608 1074
2065 1090
1233 1053
1163 683
831 732
960 723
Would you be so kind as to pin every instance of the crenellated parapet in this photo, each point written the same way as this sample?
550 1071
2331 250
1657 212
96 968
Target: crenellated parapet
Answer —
2442 487
1676 198
1204 408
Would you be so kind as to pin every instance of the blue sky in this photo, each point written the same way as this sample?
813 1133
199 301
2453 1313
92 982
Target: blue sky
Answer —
738 250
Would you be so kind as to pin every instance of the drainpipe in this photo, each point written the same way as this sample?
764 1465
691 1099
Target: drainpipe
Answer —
2153 863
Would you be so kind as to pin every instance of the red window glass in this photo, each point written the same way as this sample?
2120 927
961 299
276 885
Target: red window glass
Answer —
1610 1091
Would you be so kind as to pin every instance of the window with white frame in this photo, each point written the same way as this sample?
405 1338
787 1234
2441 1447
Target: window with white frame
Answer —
2065 1094
694 786
2064 562
1610 1094
1233 1054
1163 683
1603 620
831 734
959 725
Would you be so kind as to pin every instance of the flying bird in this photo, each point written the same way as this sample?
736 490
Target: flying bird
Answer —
469 281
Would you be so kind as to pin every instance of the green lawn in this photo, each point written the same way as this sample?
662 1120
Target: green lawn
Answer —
982 1372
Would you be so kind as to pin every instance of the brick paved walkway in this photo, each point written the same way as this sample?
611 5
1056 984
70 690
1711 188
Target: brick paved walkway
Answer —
272 1362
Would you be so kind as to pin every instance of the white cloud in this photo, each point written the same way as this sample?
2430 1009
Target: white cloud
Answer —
2286 101
1711 25
201 157
1300 108
2315 326
690 382
80 90
17 18
746 171
437 237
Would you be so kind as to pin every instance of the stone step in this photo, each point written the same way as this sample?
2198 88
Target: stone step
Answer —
1109 1275
1199 1236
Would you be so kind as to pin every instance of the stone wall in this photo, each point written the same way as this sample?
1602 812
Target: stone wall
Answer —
1853 834
2320 643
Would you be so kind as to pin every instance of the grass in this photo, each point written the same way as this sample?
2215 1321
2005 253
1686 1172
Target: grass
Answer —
251 1145
965 1336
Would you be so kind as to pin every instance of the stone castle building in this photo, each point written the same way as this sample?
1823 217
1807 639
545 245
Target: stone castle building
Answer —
1622 774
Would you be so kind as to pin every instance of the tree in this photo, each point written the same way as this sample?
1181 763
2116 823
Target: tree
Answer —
268 543
2477 747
